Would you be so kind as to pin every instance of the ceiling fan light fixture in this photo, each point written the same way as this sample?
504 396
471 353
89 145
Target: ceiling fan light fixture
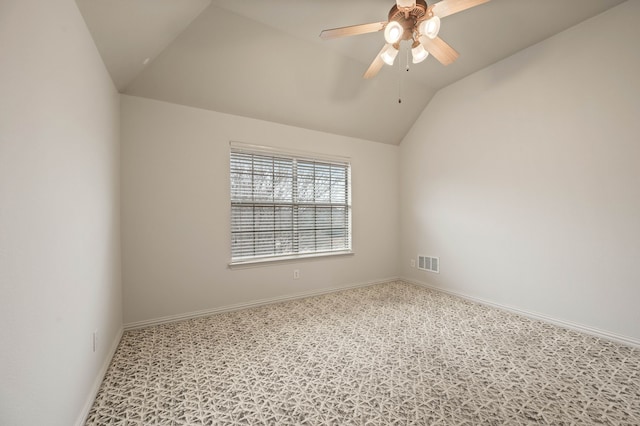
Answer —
430 27
418 53
410 20
393 32
389 55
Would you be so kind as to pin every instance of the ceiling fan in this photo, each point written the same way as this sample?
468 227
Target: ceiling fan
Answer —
411 20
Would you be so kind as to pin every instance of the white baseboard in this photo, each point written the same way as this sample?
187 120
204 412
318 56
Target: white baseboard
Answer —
82 418
252 304
602 334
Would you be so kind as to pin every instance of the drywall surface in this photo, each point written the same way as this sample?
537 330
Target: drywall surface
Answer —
176 211
229 63
59 213
524 178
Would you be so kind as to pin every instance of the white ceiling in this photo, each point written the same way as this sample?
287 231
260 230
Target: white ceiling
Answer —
127 32
264 59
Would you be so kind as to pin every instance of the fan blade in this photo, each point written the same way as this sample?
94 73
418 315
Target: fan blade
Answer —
449 7
352 30
376 65
439 49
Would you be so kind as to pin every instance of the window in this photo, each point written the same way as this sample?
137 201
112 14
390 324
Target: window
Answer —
285 206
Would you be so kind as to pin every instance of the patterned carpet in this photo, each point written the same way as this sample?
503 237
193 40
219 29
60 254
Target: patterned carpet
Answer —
390 354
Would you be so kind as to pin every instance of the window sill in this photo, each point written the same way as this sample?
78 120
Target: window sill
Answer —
252 263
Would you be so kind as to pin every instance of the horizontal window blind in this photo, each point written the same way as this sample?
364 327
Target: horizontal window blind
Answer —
284 205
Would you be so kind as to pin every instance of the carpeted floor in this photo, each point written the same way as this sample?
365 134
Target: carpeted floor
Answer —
390 354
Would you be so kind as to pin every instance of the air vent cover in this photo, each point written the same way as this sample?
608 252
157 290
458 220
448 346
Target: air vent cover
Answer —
428 263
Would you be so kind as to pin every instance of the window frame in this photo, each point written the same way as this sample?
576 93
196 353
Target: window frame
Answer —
295 156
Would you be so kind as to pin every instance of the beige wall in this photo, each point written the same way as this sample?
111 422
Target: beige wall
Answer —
59 221
525 179
175 211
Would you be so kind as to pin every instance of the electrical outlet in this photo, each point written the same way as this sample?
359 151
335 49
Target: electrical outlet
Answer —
296 274
413 263
95 340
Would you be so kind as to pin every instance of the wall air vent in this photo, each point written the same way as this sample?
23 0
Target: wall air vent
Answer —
428 263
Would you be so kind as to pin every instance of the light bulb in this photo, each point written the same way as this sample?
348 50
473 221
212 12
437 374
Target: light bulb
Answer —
389 55
393 32
430 27
418 53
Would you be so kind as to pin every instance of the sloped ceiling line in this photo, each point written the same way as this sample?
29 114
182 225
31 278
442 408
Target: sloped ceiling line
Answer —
265 60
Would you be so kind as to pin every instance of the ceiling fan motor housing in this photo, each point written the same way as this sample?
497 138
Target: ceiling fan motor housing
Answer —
409 18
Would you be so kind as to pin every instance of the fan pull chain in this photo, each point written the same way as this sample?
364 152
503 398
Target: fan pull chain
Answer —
399 82
400 76
407 60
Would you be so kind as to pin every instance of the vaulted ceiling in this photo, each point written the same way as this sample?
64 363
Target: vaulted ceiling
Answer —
264 59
